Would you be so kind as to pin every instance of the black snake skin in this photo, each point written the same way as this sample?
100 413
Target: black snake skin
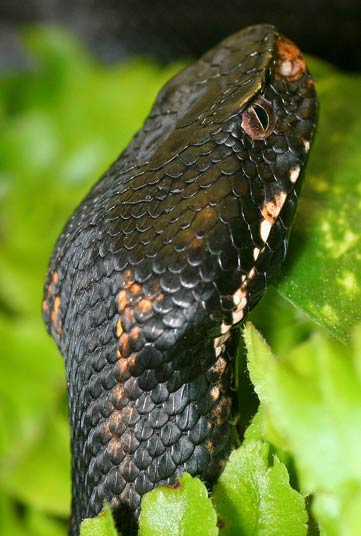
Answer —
168 251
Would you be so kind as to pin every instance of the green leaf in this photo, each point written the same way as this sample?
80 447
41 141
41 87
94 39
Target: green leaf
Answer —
102 525
253 496
281 323
180 510
322 274
313 397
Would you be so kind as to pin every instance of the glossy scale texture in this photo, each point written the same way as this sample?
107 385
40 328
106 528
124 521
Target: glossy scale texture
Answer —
169 250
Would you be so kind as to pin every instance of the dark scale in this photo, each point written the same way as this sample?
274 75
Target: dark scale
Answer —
171 249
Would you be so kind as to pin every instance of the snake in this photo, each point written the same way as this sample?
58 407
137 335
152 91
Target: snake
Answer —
159 265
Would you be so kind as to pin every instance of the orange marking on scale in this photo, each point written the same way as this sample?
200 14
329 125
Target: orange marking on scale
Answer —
115 420
55 278
123 342
221 410
125 365
55 317
118 392
271 209
290 62
113 446
122 300
135 333
119 328
129 315
135 289
145 305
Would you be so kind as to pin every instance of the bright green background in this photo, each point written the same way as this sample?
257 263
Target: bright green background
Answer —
62 123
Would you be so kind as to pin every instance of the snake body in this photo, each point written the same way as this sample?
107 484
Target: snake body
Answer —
168 251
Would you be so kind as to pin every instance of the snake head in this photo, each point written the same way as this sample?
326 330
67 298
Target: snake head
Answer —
169 250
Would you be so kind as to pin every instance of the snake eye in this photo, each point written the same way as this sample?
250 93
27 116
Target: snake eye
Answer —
258 120
261 115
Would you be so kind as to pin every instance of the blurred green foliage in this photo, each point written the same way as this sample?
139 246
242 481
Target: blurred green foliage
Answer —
63 122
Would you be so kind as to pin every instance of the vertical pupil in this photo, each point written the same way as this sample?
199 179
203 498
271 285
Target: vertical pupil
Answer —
262 116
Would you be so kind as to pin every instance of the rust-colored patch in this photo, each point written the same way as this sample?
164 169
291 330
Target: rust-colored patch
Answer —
122 300
196 243
114 502
220 523
131 360
106 428
128 278
208 213
132 303
132 297
53 283
221 411
209 445
135 289
126 412
219 367
290 62
51 306
310 83
118 392
119 328
176 485
129 315
215 392
55 318
123 365
52 289
145 305
126 441
124 344
57 304
113 446
135 333
126 366
114 421
271 209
